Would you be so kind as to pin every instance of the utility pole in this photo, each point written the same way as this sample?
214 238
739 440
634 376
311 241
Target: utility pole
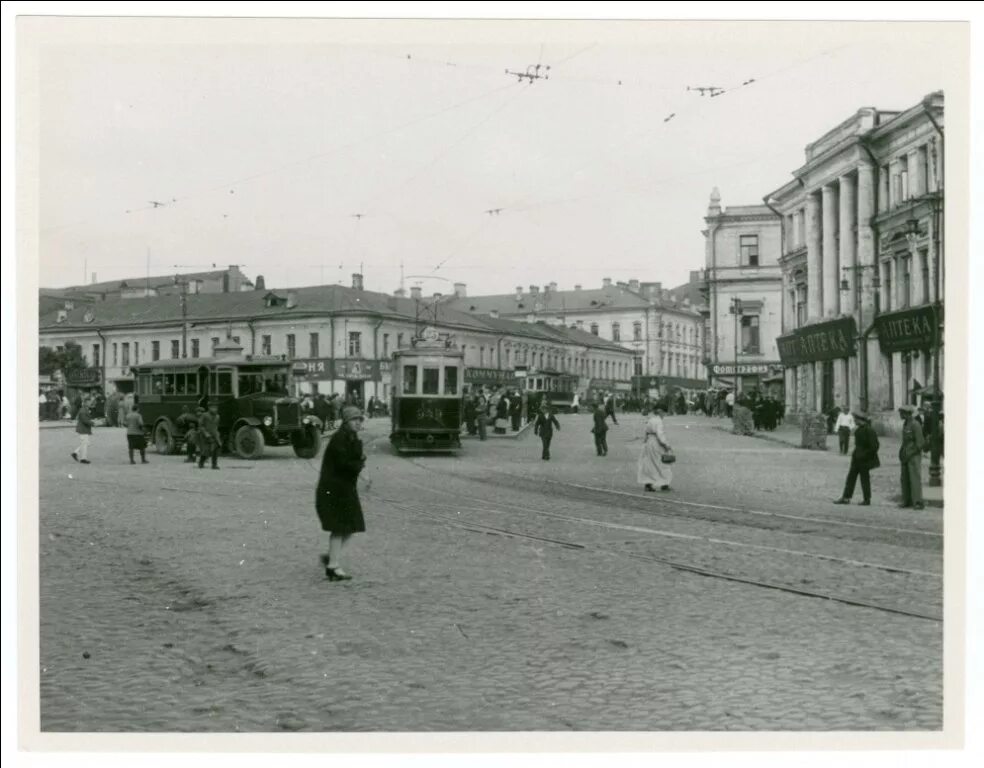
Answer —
736 310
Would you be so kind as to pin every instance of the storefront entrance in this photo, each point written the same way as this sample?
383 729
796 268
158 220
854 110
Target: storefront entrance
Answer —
355 392
827 386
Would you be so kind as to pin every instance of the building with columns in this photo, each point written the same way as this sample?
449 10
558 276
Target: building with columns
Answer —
742 286
862 264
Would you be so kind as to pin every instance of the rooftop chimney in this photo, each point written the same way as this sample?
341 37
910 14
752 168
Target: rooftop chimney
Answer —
494 313
534 290
291 299
62 315
519 293
577 287
260 283
714 206
437 296
357 281
93 277
634 285
459 290
414 291
553 287
399 293
606 282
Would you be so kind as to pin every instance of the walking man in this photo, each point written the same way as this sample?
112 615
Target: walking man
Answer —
544 427
208 434
83 426
863 460
515 410
610 408
910 457
844 427
600 430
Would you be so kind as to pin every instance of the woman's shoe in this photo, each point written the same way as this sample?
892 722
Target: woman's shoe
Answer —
336 574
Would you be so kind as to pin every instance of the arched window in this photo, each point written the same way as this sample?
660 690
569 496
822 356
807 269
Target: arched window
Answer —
616 332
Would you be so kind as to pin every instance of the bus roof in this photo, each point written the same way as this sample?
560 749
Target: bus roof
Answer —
194 363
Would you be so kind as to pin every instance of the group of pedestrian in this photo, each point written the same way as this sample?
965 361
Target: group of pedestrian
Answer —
503 409
53 405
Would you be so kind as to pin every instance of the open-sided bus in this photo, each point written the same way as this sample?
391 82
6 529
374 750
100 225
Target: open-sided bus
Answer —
427 396
252 396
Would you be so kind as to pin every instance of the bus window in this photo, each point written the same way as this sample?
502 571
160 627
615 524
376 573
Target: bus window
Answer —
431 381
450 381
409 379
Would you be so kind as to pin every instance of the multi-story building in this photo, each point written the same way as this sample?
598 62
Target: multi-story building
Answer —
742 285
341 339
862 264
662 330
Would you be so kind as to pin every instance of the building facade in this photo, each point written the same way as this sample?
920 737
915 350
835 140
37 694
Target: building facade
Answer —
663 331
863 264
340 339
742 285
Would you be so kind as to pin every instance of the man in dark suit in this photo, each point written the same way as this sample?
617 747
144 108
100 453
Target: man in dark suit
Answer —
863 460
544 427
600 429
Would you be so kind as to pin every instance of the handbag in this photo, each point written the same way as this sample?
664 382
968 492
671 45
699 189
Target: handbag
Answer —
667 458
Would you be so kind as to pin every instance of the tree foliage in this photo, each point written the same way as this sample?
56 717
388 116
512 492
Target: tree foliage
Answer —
67 358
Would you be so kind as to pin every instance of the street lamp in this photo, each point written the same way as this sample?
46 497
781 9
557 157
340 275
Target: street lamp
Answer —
845 285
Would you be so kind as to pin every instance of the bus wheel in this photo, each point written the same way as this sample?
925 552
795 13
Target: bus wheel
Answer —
307 441
164 438
249 442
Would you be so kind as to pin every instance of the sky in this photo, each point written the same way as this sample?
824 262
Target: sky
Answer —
306 151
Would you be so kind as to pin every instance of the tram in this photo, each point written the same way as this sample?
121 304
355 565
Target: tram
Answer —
427 395
552 387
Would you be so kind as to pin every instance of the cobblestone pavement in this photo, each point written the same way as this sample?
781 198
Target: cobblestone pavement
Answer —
492 591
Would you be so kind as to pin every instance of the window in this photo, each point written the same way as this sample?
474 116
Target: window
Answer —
594 328
355 344
136 352
924 269
800 305
750 334
886 286
266 345
399 341
904 280
175 349
215 343
116 356
749 245
637 331
386 345
155 350
616 332
450 381
235 340
195 348
481 356
314 345
430 381
508 354
637 366
409 379
95 355
579 325
541 361
291 346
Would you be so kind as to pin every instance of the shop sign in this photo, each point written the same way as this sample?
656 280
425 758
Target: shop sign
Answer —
910 329
357 370
314 368
742 369
83 377
324 368
645 382
832 340
489 375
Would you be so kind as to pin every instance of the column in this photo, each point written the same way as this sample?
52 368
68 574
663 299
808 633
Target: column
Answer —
917 172
847 220
831 273
883 197
814 265
865 256
800 227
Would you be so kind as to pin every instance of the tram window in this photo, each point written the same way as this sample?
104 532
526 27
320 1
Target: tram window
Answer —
431 381
143 384
409 379
450 381
169 383
222 382
158 384
179 384
191 386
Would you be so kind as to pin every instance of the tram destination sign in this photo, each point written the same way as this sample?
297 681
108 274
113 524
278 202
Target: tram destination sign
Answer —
832 340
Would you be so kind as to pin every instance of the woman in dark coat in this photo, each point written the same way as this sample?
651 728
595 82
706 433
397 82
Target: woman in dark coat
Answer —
863 460
337 499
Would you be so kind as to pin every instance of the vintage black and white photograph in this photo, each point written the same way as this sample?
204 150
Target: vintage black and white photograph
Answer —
498 376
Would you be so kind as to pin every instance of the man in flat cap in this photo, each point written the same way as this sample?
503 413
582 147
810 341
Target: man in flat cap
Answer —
910 457
863 460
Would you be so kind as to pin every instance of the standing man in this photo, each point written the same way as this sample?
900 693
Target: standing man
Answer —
515 410
208 431
135 437
863 460
729 404
544 427
83 426
910 457
600 430
482 417
844 426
